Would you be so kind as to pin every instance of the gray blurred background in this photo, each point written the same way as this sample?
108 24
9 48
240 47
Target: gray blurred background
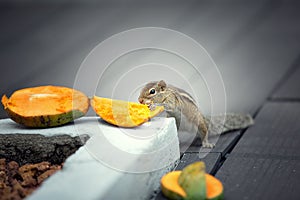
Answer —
253 43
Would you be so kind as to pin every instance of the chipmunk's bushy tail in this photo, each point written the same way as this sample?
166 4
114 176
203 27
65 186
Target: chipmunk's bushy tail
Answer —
232 121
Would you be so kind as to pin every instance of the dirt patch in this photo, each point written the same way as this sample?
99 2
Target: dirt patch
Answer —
17 182
26 160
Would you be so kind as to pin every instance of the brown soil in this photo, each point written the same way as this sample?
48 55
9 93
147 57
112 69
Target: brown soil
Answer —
17 182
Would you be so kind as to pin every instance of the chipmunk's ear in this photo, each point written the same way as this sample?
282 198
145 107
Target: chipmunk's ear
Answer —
162 84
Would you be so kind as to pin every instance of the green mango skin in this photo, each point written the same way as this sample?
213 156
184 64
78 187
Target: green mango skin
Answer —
192 180
45 121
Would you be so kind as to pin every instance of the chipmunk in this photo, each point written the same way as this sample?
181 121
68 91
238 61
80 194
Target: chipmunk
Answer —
178 103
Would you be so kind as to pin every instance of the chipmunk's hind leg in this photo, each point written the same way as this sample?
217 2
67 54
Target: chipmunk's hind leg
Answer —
203 131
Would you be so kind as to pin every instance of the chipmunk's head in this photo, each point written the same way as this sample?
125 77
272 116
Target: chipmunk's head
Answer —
153 92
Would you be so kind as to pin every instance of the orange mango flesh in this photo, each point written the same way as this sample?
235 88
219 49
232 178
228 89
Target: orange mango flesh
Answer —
45 100
170 182
123 113
214 186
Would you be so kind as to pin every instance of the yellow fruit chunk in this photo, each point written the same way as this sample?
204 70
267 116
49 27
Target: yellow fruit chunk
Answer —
123 113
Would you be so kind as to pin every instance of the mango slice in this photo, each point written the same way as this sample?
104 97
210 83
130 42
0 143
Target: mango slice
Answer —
189 184
45 106
123 113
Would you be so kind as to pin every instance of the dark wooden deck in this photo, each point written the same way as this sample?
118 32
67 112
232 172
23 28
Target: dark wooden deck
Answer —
256 45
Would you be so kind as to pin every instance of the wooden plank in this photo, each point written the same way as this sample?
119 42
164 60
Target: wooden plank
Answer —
223 143
211 160
265 164
260 178
276 131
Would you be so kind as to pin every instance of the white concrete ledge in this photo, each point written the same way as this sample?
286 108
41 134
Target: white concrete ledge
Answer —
116 163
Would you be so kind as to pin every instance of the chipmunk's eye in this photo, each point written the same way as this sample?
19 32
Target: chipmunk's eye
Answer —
152 91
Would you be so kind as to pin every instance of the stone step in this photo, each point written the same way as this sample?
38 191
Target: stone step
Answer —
115 163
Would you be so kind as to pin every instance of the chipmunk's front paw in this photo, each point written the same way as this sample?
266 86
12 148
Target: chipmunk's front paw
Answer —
208 145
152 107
